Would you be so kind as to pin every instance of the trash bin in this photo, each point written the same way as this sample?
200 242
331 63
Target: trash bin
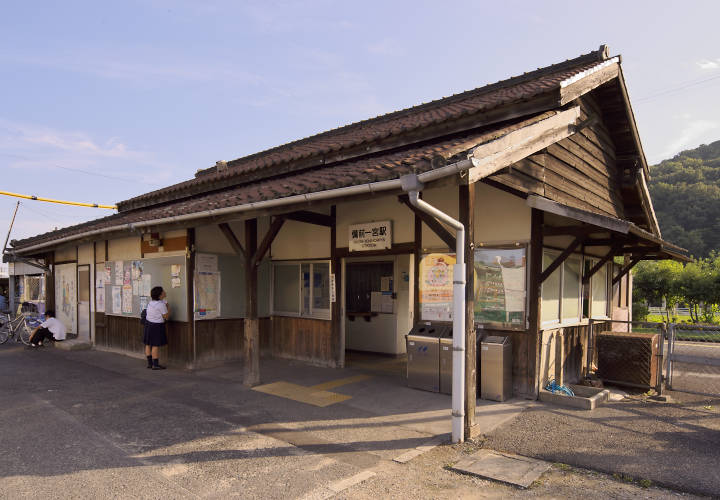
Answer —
446 359
496 368
423 356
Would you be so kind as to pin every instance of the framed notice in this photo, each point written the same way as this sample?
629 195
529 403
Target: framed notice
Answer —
500 285
436 286
370 236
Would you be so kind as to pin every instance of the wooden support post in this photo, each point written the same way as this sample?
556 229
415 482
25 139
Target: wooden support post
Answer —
190 266
533 332
251 347
49 282
560 259
466 196
232 239
336 307
418 257
612 253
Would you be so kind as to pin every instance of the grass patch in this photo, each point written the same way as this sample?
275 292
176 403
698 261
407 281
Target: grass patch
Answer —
563 467
645 483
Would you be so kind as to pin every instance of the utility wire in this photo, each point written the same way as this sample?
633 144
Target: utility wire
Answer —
97 174
678 88
62 202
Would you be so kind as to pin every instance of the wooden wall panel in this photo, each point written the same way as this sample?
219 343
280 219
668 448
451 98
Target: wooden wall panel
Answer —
125 334
219 340
302 339
580 171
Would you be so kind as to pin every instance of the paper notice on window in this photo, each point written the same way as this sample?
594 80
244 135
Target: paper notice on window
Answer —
387 304
175 282
376 302
386 284
100 300
146 284
117 299
119 272
175 271
127 299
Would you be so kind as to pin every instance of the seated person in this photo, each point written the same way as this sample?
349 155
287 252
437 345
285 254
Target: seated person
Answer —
50 328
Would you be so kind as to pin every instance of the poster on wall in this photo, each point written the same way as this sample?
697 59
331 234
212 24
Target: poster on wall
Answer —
127 273
117 299
66 298
500 276
100 291
108 273
206 263
207 295
146 284
127 299
118 272
137 270
436 287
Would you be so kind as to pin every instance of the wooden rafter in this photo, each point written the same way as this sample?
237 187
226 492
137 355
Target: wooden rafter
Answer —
309 217
232 239
571 230
431 222
615 250
635 259
277 223
561 258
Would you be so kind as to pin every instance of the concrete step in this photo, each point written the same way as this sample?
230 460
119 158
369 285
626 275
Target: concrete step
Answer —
73 345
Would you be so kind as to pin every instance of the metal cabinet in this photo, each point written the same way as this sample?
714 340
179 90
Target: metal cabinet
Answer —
423 356
496 368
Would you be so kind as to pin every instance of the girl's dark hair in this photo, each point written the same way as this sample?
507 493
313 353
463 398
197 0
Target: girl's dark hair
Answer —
50 313
156 292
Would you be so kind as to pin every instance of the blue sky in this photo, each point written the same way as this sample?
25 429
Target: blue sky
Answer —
102 101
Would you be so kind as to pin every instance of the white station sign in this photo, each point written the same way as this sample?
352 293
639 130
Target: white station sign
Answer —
370 236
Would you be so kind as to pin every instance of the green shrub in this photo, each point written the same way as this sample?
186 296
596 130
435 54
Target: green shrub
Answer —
639 311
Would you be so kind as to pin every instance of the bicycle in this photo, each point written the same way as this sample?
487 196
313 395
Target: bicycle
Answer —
11 326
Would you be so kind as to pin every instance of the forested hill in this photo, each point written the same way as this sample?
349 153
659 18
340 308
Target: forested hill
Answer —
686 194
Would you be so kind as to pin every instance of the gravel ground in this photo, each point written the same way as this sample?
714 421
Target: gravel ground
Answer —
674 444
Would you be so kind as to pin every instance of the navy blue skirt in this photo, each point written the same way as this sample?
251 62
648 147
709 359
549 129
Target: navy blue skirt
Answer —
154 334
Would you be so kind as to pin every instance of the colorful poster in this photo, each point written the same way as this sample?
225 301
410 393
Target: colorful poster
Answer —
500 276
118 272
436 287
100 290
206 263
127 299
207 295
117 300
108 273
66 297
127 273
145 284
136 287
137 269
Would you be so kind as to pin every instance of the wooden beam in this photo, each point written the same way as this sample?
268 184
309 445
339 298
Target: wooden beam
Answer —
626 269
417 251
251 344
431 222
232 239
571 230
190 266
614 251
585 84
497 154
397 249
531 358
309 217
561 258
277 223
335 307
610 223
466 202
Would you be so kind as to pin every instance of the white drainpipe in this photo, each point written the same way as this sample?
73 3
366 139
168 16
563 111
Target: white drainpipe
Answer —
412 185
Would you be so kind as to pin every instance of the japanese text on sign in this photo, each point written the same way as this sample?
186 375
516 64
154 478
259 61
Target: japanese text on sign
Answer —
370 236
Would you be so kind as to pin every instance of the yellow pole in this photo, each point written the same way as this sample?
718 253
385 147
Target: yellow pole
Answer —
75 203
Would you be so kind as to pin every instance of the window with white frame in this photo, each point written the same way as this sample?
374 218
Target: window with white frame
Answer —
561 291
301 289
550 306
599 293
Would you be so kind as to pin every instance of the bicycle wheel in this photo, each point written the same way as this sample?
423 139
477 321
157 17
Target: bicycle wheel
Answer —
24 333
4 332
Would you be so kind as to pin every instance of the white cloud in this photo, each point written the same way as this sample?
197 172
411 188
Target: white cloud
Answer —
690 136
707 64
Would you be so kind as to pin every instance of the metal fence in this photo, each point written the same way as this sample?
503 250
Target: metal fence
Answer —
693 359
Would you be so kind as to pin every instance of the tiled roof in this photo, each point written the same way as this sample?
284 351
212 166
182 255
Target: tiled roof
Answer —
322 147
379 167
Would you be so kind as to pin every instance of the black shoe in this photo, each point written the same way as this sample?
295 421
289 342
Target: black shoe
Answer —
148 366
158 367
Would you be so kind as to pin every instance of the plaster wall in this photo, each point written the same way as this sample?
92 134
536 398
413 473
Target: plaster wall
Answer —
66 254
124 248
376 209
298 240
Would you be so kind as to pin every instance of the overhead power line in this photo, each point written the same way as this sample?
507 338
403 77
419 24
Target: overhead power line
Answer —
677 88
62 202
